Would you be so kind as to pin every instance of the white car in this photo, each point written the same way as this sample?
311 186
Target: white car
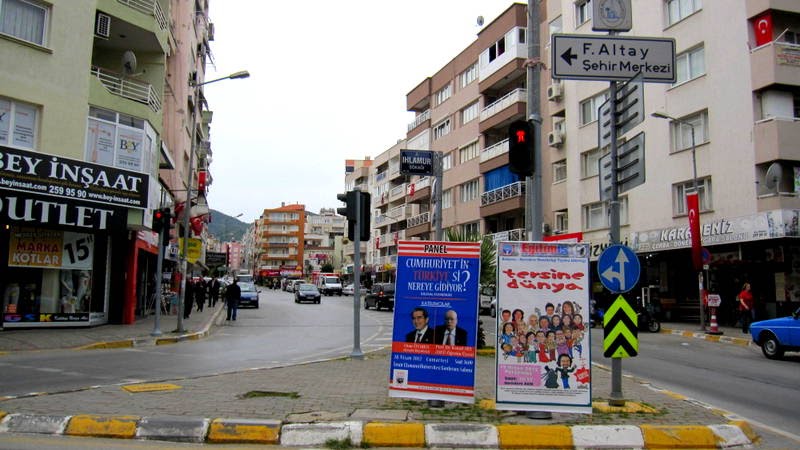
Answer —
348 290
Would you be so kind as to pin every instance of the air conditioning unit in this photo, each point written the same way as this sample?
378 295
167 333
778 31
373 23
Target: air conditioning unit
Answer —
554 92
555 139
102 25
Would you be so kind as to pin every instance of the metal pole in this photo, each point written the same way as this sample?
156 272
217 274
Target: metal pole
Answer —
187 206
700 272
616 397
357 353
439 178
159 267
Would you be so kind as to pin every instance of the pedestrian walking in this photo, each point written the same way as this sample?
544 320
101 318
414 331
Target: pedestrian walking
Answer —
200 294
232 295
747 310
213 292
188 299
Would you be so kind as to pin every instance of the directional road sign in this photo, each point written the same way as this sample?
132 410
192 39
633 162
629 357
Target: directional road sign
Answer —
629 110
618 268
630 167
613 58
621 330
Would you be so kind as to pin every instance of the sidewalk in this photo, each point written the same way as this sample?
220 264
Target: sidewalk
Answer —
346 400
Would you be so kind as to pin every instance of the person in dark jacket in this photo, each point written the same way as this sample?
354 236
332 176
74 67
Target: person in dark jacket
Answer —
188 299
232 295
213 292
200 294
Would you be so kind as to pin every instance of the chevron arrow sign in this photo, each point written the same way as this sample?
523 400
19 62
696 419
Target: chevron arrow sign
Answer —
621 330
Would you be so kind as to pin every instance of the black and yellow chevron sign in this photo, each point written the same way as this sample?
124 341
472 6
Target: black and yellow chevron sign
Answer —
621 330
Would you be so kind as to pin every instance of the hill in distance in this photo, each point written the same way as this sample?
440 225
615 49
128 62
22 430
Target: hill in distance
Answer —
226 228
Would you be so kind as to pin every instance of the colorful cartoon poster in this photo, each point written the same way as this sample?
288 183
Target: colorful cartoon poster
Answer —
543 360
435 321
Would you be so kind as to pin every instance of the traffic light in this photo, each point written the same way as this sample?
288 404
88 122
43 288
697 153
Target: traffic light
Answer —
349 211
352 214
166 225
520 148
364 206
158 220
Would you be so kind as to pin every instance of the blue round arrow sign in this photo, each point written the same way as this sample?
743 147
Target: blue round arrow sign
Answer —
618 268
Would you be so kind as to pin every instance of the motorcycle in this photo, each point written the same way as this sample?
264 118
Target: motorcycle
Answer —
646 316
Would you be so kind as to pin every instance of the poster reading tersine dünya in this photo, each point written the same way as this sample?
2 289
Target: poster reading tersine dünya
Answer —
543 358
435 321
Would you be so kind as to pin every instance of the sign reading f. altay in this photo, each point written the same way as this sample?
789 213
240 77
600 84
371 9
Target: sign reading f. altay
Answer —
613 58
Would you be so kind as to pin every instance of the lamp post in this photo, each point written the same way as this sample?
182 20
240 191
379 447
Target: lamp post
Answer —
660 115
189 179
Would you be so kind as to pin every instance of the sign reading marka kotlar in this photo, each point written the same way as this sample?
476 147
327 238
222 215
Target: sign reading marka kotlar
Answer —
435 321
543 358
39 173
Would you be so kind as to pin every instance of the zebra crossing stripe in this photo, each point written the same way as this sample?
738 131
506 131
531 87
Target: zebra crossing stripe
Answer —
620 327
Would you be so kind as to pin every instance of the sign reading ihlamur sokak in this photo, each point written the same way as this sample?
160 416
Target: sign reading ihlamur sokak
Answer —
435 321
543 360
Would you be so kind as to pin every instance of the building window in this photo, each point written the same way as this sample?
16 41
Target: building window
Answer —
703 195
595 215
559 171
17 124
468 76
791 37
796 105
690 65
119 140
443 94
469 191
468 152
561 221
497 49
447 198
681 133
678 10
590 106
469 113
555 26
583 12
590 161
24 20
447 161
470 229
521 33
442 129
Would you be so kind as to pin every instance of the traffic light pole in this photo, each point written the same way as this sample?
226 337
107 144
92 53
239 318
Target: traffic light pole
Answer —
159 267
357 353
438 173
533 184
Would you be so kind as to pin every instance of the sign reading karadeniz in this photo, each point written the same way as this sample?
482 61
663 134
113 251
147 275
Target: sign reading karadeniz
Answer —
613 58
56 176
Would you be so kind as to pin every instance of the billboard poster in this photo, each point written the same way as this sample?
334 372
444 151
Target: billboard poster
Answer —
435 321
543 358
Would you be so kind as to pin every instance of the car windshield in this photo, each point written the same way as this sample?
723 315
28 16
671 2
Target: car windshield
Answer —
247 287
307 287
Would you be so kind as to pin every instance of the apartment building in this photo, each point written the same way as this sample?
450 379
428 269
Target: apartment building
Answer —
738 79
279 243
323 240
95 103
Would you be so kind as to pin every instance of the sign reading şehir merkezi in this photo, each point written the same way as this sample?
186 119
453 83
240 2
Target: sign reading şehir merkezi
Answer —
56 176
416 162
435 321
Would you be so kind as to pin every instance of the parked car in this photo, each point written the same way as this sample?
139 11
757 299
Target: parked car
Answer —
291 285
488 300
249 294
304 292
380 296
349 289
776 336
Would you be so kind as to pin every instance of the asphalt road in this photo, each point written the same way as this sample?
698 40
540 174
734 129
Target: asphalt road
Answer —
279 333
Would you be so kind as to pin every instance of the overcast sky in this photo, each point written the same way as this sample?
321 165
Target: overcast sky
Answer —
328 83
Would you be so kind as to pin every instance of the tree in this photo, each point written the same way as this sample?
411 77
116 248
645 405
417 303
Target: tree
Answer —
488 253
326 268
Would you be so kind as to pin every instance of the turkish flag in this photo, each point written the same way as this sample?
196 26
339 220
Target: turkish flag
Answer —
762 28
201 181
693 206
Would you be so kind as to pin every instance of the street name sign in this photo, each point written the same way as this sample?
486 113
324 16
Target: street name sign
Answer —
629 110
416 162
630 167
612 58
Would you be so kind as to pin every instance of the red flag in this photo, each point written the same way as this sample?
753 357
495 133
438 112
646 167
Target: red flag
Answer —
762 28
201 181
692 205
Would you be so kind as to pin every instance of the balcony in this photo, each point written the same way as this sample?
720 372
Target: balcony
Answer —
775 63
501 112
419 120
503 199
397 192
142 21
501 148
419 191
128 88
517 234
515 96
149 7
418 225
776 138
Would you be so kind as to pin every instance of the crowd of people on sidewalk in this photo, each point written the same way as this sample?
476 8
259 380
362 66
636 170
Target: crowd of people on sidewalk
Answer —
200 292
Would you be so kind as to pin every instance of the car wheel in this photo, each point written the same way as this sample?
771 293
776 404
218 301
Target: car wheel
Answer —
770 347
256 305
654 326
493 312
296 300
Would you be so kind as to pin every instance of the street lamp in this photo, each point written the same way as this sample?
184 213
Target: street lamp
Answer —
189 178
660 115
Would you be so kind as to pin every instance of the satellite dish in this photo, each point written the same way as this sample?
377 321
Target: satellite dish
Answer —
773 177
128 62
480 21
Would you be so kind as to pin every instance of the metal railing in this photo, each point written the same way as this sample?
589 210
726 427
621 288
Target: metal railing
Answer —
517 234
494 150
503 193
149 7
128 88
418 220
419 119
515 96
397 191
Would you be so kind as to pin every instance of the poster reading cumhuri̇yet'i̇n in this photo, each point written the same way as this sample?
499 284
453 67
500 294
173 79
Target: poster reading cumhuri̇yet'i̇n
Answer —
435 321
543 350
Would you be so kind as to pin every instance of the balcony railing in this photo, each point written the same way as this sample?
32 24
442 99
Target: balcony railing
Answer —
515 96
503 193
419 119
419 184
128 88
398 191
149 7
418 220
494 150
517 234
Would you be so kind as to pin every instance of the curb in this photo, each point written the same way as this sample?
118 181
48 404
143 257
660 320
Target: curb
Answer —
743 342
383 434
